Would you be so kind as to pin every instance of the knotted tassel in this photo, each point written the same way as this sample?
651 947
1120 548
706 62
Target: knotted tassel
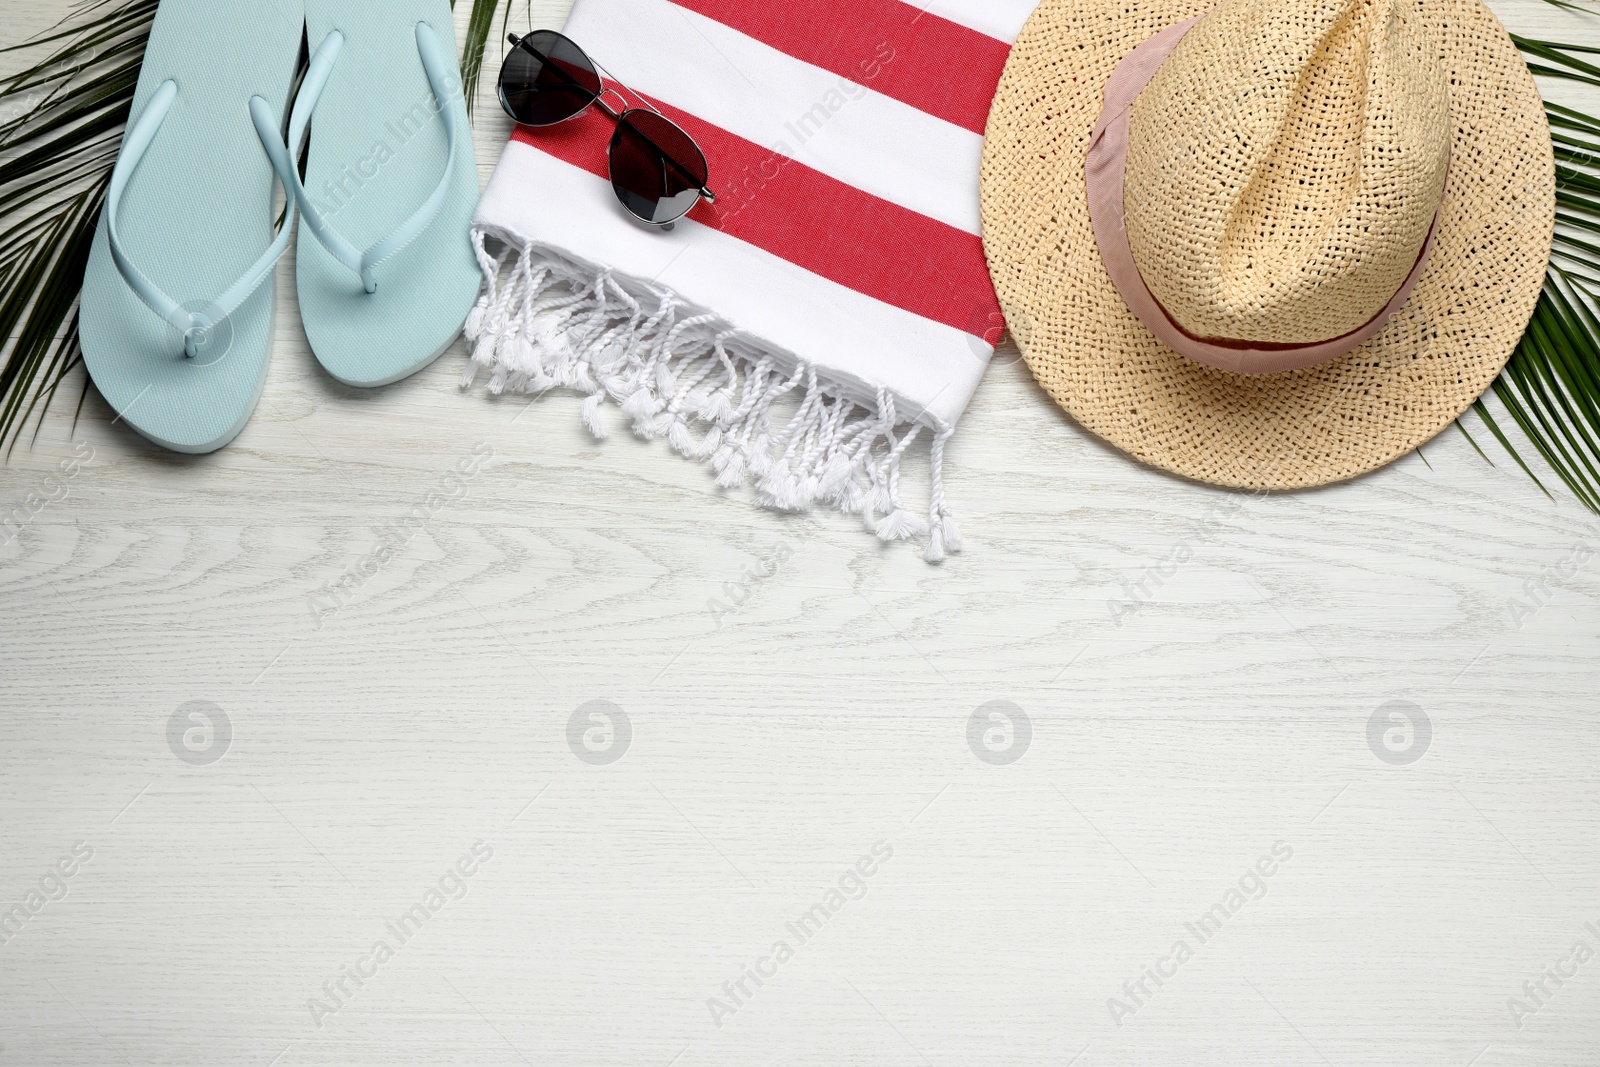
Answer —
593 419
730 474
643 408
680 438
710 443
474 324
900 525
943 534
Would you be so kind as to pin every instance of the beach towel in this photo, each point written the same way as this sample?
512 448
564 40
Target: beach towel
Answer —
830 311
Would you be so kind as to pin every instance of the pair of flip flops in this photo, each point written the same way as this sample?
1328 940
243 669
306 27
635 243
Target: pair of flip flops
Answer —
178 304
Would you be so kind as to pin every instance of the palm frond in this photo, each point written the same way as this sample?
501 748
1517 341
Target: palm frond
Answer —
66 112
480 23
1551 385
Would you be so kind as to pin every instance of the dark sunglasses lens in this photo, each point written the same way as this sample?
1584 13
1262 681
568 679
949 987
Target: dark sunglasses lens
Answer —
547 79
656 168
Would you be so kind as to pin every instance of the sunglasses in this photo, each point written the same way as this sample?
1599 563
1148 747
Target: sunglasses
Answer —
657 170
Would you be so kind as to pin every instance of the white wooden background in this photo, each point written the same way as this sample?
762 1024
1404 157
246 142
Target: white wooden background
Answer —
773 746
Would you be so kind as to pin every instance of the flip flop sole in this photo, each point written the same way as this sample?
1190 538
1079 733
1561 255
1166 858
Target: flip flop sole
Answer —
377 153
197 213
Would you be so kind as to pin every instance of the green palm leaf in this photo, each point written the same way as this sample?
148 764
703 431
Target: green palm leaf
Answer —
480 23
1551 386
55 165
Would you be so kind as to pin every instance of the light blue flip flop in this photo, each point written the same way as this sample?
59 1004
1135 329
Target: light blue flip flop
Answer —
386 271
177 308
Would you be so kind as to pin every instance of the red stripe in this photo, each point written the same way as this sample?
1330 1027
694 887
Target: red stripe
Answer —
879 249
933 64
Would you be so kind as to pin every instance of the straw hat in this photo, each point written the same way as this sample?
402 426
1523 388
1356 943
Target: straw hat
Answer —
1267 243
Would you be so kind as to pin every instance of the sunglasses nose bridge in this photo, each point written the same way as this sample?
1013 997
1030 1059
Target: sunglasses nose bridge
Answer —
622 101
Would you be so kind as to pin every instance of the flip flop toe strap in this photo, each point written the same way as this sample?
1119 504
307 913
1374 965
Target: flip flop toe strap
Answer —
195 325
438 71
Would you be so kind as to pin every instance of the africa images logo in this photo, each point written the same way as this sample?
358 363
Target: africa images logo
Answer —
199 733
999 732
599 733
1399 733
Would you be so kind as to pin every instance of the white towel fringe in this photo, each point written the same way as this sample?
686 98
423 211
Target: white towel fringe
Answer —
549 322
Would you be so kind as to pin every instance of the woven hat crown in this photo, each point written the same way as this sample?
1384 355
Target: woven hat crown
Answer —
1285 165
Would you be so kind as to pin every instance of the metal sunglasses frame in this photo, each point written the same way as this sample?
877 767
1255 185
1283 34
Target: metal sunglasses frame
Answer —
609 83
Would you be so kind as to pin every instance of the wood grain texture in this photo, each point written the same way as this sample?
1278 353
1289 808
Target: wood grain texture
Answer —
772 746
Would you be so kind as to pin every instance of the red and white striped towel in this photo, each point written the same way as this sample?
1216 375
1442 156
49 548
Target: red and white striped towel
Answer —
841 266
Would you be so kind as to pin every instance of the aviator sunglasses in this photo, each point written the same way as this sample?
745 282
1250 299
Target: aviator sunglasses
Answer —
657 170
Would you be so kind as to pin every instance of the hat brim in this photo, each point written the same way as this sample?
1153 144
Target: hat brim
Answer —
1297 428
